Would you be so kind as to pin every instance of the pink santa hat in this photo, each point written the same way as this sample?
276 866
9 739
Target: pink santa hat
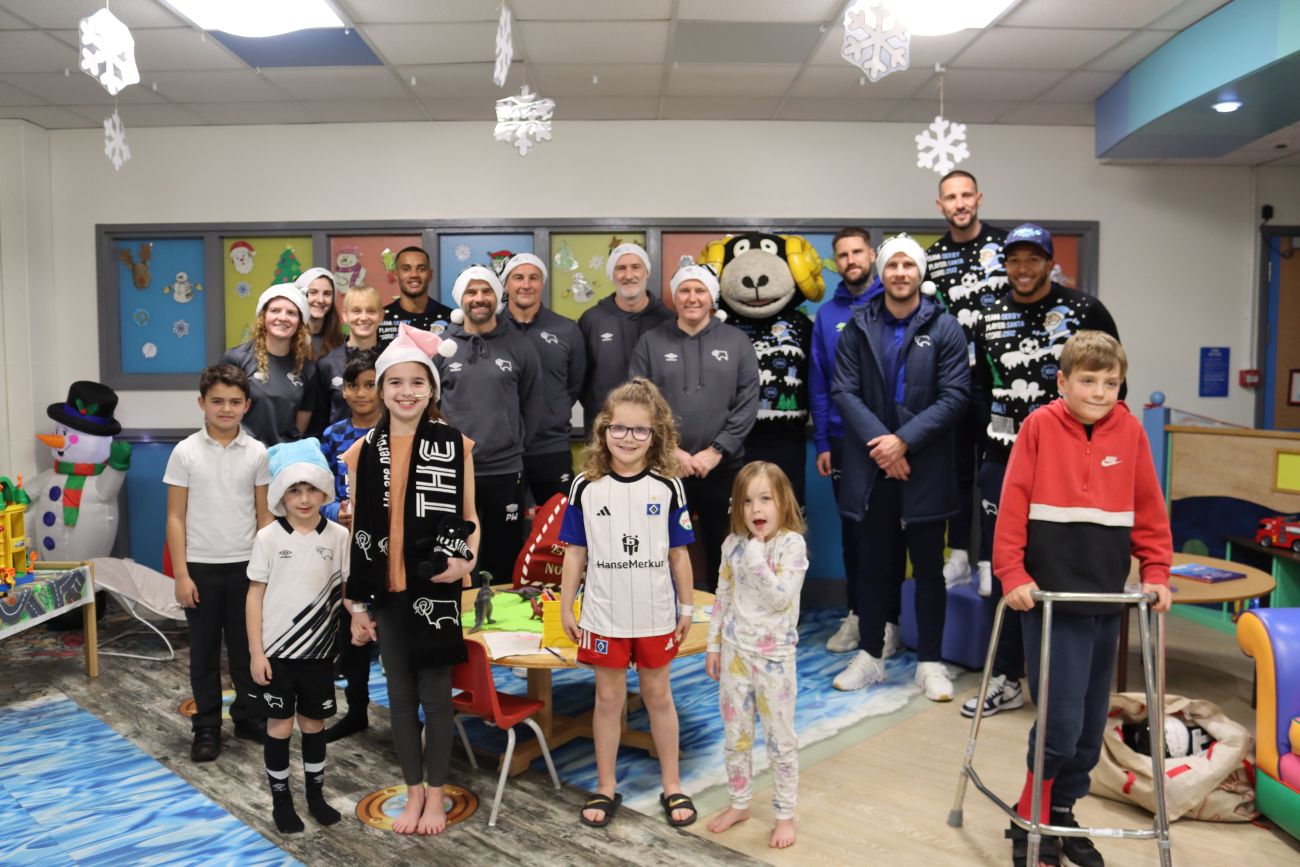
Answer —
412 344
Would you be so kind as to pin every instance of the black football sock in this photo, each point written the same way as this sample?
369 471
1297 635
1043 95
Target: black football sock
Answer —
313 764
276 751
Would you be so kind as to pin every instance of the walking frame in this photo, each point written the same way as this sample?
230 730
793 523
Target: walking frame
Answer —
1153 670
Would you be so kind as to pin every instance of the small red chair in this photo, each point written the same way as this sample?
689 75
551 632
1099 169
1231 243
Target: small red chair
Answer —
478 697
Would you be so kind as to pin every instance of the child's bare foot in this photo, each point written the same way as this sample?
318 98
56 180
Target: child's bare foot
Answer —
433 820
727 818
410 816
782 834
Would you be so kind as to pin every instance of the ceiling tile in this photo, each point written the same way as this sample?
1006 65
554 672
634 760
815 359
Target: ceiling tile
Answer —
417 44
1051 114
49 117
590 10
464 80
461 109
1186 14
15 95
923 111
714 108
418 11
375 82
838 109
1081 87
844 81
77 88
999 84
1094 13
66 14
13 22
593 42
239 113
161 114
181 48
216 87
758 10
1126 54
727 80
607 108
365 110
1035 48
616 79
924 51
35 51
745 42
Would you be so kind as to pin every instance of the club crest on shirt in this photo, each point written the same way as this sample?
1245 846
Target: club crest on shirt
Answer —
326 554
602 646
505 365
652 508
685 520
548 337
719 354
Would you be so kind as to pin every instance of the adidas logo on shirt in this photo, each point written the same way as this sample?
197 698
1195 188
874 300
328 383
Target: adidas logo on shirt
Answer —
604 512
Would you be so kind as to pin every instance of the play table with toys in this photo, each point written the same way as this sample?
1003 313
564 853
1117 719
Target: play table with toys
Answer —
561 729
55 588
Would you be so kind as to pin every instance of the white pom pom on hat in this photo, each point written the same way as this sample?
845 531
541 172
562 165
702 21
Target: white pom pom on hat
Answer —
475 272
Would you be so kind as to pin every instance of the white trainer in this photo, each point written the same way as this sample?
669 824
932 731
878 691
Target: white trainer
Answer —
1003 695
986 578
893 641
933 678
863 669
956 569
846 637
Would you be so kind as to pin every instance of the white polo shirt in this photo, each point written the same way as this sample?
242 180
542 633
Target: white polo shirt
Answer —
220 512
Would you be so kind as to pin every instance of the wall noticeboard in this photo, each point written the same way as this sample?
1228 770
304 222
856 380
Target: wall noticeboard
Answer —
253 265
1214 371
161 315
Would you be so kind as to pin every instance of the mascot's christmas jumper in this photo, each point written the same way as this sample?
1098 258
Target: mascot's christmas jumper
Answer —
764 278
73 515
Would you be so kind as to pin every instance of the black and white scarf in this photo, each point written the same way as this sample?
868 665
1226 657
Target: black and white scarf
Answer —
435 493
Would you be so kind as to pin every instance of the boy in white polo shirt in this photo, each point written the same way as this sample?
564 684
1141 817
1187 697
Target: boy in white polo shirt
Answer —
297 570
216 500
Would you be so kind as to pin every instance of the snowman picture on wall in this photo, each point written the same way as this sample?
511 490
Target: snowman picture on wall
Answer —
581 290
74 513
241 256
182 289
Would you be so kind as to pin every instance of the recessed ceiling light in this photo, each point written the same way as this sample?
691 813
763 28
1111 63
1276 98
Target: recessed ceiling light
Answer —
1226 106
257 17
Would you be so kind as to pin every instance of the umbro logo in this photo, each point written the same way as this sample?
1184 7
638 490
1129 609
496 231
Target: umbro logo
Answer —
1109 461
285 554
607 337
604 512
455 367
670 356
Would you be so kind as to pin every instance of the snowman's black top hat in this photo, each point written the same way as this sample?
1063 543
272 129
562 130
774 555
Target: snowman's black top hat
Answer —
89 409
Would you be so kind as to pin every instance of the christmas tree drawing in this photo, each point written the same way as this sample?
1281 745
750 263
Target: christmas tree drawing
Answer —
287 267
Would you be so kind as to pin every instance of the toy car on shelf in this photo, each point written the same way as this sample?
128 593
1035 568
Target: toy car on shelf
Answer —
1280 530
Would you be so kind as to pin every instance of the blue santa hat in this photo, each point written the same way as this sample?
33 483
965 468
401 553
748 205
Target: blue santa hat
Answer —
294 462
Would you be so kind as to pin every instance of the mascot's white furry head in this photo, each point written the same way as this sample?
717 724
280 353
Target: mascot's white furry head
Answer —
762 275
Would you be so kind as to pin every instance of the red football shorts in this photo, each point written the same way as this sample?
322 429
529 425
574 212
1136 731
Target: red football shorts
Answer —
652 651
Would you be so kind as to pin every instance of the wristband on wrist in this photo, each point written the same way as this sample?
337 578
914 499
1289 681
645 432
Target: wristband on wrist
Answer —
683 610
358 607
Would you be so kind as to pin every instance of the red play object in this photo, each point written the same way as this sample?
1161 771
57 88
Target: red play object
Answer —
1280 530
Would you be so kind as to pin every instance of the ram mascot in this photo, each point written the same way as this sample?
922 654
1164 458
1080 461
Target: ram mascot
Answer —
764 278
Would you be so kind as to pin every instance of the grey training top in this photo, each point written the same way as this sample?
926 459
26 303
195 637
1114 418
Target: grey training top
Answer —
277 399
610 334
564 364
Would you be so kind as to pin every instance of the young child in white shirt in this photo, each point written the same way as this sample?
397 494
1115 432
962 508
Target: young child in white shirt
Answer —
752 639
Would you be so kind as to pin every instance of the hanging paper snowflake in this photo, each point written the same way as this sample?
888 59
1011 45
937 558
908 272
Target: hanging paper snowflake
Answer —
242 288
462 252
505 49
149 350
108 52
180 328
941 146
524 120
115 146
875 40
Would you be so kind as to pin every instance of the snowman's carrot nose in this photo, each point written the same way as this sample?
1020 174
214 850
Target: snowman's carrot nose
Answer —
54 441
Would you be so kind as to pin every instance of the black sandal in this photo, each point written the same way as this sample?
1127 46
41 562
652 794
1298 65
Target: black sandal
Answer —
608 807
677 802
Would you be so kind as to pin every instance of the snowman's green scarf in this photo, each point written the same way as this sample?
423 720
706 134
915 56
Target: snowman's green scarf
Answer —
72 488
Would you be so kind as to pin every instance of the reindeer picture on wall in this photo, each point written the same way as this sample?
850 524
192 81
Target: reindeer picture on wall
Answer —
140 275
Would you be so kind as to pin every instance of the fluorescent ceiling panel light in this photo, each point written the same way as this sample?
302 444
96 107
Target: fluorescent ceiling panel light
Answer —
257 17
1226 106
938 17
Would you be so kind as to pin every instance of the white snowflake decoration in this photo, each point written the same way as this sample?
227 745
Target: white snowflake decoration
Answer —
524 120
242 288
180 328
149 350
108 52
505 49
875 40
941 146
115 146
462 252
596 263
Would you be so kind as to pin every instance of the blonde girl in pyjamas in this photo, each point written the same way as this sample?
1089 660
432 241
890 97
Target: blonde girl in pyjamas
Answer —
752 638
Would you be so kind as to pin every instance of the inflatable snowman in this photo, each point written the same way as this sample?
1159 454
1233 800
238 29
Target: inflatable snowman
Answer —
73 514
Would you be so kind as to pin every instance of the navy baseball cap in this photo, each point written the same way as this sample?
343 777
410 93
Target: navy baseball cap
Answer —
1028 233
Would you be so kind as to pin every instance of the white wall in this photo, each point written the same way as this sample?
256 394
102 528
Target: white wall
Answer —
1177 243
